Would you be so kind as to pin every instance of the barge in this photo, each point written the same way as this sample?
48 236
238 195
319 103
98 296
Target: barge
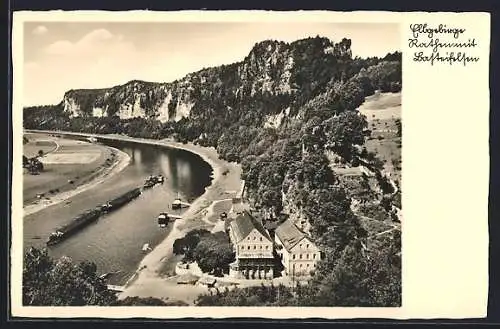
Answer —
91 216
76 224
121 200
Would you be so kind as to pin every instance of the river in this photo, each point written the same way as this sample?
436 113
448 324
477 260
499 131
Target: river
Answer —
114 243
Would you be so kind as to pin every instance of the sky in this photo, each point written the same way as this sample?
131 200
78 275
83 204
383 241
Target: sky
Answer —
59 56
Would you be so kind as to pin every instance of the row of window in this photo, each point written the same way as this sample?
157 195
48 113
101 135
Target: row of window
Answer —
300 265
254 247
307 256
254 238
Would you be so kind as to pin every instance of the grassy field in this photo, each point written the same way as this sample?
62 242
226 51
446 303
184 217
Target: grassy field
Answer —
382 110
73 163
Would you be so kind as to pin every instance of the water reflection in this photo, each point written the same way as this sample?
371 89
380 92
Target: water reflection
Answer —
114 242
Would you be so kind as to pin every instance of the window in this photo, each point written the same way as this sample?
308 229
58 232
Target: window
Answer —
260 238
248 247
254 238
300 246
307 265
300 265
307 246
314 256
307 256
293 256
254 247
300 256
248 238
267 247
242 247
261 247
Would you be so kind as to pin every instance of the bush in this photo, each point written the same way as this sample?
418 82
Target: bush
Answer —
48 282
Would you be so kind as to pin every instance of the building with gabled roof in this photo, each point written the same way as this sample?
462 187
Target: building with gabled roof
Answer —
297 252
253 248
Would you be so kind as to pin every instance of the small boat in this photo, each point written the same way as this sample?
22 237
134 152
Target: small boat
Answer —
146 247
163 219
177 204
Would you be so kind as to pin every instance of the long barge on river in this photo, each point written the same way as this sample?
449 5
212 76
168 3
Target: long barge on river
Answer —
121 200
76 224
91 216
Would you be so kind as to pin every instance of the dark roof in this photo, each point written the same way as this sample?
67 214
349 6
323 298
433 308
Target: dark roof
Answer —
289 234
243 224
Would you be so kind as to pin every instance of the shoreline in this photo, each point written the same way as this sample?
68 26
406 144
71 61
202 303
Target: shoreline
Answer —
148 273
123 160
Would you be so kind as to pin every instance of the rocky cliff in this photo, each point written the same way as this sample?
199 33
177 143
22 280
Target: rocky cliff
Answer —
289 72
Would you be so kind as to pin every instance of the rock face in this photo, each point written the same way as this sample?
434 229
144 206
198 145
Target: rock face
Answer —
134 99
271 68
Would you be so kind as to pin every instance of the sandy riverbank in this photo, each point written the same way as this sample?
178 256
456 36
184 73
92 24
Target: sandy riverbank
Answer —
120 162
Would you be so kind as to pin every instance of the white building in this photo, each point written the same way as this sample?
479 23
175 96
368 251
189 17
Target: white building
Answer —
297 252
253 248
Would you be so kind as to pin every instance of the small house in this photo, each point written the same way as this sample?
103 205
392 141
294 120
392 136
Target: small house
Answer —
297 252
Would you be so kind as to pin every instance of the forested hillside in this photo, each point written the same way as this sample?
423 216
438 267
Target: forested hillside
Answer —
277 112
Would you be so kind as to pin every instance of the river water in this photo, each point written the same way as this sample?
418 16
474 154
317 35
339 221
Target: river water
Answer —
114 243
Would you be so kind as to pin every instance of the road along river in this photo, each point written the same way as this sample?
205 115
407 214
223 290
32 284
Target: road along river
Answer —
114 243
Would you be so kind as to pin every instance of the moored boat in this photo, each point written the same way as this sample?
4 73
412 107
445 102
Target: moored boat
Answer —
153 180
163 219
177 204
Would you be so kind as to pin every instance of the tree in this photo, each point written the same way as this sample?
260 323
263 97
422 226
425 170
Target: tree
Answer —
214 253
345 285
61 283
34 166
359 278
344 131
251 296
187 244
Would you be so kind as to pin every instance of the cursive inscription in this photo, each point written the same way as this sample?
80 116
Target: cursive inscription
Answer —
441 44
